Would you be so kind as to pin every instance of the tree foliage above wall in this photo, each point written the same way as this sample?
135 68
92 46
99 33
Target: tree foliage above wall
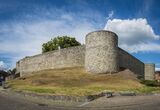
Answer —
59 42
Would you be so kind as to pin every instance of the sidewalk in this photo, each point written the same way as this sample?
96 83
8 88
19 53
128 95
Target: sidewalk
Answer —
119 101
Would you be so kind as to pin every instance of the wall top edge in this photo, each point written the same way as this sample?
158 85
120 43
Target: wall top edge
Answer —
130 55
106 31
149 64
64 49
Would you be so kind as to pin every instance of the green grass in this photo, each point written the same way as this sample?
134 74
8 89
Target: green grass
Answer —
75 81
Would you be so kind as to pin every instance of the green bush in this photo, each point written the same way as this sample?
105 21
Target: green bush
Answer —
62 42
150 83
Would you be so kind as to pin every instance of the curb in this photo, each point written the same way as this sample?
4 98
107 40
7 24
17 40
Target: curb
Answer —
77 98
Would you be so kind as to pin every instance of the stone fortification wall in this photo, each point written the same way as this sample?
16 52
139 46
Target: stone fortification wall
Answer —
100 55
68 57
101 52
149 71
128 61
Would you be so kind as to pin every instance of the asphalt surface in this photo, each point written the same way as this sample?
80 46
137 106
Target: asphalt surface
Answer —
8 102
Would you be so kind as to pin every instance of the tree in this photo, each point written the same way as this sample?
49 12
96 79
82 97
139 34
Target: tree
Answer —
59 42
13 71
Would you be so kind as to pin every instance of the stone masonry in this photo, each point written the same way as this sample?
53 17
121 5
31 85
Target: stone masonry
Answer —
149 71
101 54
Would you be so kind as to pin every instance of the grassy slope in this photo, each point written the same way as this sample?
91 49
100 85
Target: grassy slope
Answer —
75 81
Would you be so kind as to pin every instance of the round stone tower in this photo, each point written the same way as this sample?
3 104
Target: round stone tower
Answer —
101 52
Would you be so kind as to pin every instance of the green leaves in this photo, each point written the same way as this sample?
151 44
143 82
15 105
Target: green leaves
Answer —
150 83
62 42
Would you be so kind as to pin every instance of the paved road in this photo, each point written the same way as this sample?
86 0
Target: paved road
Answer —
150 102
8 102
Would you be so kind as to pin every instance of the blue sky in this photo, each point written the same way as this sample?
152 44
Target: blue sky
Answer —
26 24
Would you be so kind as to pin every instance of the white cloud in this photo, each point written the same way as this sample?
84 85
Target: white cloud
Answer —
2 65
157 69
152 47
134 34
25 38
67 17
110 15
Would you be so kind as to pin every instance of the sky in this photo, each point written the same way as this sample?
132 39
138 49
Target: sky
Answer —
26 24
